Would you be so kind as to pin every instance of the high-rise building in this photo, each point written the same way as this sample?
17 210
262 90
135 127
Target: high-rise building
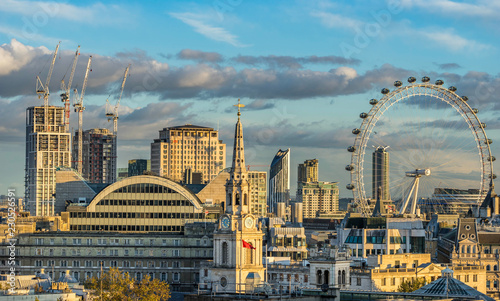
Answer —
47 147
380 173
258 192
279 179
121 173
308 171
192 147
99 158
318 197
137 167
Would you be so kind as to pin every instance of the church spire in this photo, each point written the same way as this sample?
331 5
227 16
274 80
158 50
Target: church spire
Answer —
238 148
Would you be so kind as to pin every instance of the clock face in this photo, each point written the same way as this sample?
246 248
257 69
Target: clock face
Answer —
248 222
225 223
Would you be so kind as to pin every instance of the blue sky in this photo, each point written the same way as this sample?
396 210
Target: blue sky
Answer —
305 69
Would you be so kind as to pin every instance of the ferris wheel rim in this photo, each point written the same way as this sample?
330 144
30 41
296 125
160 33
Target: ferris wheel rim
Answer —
401 93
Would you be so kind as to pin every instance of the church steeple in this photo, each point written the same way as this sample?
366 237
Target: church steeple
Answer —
237 186
239 148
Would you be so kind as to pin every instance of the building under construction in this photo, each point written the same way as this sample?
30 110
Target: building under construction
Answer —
99 155
47 147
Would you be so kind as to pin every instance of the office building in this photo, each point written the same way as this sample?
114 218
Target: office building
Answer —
308 171
121 173
137 167
380 173
47 147
318 198
99 157
192 147
258 192
279 180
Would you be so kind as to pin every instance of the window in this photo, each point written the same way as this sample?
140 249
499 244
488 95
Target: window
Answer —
125 252
224 253
77 241
175 264
474 278
176 253
51 241
89 241
76 263
64 263
177 242
126 264
126 241
163 276
39 241
139 242
358 281
176 277
88 263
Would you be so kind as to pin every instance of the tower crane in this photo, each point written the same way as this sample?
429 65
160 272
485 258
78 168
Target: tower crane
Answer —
78 104
65 95
43 89
112 113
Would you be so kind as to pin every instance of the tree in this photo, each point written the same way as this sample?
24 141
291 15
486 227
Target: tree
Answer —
411 285
119 286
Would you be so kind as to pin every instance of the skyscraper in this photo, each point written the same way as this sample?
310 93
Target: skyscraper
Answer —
279 179
380 172
318 197
137 167
258 192
308 171
47 147
192 147
99 158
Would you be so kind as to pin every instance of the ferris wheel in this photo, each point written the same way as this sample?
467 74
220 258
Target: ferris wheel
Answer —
429 131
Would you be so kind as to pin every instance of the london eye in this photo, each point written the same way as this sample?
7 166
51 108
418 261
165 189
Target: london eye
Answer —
429 131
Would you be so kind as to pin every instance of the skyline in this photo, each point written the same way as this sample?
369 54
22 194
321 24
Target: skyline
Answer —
304 70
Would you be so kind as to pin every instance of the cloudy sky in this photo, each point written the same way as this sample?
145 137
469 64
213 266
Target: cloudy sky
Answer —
305 70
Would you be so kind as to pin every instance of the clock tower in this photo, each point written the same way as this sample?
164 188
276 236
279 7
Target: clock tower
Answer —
238 238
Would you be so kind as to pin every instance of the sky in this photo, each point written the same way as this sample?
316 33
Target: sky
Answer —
304 69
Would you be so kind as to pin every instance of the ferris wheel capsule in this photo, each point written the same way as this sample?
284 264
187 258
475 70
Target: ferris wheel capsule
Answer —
411 79
491 158
385 91
483 125
398 83
373 101
349 167
351 149
439 82
363 115
465 98
475 110
356 131
488 141
425 79
492 176
350 186
452 88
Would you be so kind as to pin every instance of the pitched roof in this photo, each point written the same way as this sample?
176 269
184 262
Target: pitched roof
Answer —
451 287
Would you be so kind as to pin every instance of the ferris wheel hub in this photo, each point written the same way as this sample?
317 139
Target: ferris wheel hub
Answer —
418 173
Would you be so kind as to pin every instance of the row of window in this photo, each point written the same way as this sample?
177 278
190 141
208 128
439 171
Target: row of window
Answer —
128 228
145 188
168 203
111 263
137 275
113 241
376 239
147 215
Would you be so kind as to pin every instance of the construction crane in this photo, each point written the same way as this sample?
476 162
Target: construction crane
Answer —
78 104
43 90
112 113
65 95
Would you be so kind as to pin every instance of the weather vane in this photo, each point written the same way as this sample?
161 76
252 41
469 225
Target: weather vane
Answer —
239 105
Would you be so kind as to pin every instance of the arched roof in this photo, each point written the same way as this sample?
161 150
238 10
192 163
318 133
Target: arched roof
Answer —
146 179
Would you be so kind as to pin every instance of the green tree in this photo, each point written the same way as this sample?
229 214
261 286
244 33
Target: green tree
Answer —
411 285
117 286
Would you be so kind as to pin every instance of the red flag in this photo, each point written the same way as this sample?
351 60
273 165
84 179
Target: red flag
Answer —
247 245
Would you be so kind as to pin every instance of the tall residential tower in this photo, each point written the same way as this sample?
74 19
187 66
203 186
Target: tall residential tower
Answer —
380 172
47 147
279 180
188 147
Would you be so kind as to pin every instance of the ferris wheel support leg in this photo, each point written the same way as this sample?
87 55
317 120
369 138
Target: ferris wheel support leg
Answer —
414 204
405 204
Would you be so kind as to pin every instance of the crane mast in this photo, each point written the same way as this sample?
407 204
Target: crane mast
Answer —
80 108
65 97
112 114
43 89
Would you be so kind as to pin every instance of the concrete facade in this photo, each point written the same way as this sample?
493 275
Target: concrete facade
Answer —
191 147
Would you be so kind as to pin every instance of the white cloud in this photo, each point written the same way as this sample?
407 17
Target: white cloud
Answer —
452 41
15 56
40 12
331 20
482 8
212 32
